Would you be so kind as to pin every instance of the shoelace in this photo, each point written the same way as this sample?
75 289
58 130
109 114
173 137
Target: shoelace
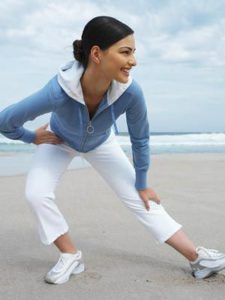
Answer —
62 260
60 263
209 252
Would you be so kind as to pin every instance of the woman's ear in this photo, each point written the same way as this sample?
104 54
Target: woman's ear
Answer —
95 54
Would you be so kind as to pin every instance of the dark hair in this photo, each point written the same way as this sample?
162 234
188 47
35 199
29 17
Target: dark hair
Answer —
102 31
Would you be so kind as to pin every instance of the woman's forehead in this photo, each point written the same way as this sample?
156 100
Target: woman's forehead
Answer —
127 42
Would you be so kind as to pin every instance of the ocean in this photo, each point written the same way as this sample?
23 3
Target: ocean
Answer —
160 142
16 156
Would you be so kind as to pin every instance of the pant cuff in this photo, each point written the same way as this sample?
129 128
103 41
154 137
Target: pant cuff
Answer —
168 235
49 241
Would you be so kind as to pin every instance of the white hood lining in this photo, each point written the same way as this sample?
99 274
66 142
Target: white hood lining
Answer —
69 79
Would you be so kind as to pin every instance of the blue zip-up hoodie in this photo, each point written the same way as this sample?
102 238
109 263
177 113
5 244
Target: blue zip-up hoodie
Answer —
70 119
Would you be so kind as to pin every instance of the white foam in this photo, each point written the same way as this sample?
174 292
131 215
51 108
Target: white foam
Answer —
198 139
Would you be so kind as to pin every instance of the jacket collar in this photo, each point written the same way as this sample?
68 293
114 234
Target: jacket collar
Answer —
69 79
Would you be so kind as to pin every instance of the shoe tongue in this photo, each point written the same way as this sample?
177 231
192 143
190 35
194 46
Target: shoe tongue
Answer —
67 255
204 252
62 260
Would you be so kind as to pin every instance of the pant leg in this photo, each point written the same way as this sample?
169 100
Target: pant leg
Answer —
50 162
113 165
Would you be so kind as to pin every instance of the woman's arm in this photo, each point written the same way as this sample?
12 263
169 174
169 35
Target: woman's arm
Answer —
13 117
138 127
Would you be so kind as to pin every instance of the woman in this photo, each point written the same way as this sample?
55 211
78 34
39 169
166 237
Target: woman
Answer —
85 98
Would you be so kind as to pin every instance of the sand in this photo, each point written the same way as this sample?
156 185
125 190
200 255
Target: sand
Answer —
122 260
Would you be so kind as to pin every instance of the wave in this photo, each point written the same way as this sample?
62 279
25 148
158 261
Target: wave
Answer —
200 139
167 142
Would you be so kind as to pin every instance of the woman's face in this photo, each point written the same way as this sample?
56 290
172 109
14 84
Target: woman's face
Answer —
117 61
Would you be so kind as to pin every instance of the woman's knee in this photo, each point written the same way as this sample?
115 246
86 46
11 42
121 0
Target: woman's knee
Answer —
32 195
38 184
36 193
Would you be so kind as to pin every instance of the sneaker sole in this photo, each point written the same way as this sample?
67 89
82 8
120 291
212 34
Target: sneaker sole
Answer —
204 273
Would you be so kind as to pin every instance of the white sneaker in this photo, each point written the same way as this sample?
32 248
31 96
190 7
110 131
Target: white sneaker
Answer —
67 264
209 261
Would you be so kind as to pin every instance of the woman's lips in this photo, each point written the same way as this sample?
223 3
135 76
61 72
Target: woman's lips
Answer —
126 71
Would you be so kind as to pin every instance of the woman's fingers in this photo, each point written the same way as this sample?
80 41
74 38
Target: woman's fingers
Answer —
146 203
45 126
44 136
148 194
155 199
153 196
53 139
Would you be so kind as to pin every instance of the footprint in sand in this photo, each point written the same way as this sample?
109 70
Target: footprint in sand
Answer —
216 278
89 277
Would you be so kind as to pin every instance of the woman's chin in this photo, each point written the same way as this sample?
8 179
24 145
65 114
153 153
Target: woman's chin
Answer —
122 79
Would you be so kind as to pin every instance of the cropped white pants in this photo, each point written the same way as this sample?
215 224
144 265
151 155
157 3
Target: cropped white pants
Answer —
51 161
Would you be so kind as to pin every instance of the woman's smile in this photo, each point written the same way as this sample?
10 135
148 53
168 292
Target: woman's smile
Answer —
126 71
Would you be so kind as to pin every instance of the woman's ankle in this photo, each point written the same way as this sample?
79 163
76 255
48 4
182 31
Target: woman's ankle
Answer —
65 244
192 256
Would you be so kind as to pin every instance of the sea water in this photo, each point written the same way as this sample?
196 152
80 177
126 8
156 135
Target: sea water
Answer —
16 156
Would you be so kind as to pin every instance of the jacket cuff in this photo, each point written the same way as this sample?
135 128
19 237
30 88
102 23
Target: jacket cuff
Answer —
141 180
28 136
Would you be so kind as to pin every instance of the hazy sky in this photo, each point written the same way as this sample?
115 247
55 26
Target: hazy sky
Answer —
180 53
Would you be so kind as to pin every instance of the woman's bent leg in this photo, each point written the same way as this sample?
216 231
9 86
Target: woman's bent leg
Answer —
50 162
114 166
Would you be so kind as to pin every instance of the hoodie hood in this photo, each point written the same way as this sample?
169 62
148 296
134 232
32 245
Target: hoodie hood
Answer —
69 79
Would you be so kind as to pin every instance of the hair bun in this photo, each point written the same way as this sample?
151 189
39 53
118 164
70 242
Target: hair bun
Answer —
78 50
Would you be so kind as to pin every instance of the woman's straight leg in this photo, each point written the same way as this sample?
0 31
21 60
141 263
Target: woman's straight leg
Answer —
113 165
49 164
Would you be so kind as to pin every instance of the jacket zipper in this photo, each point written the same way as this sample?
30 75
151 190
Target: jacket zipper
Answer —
89 128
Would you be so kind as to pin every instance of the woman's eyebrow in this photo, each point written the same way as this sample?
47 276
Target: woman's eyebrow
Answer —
128 48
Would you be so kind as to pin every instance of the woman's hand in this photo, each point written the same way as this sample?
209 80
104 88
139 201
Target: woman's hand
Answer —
148 194
44 136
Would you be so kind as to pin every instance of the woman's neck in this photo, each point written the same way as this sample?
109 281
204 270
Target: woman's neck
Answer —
94 84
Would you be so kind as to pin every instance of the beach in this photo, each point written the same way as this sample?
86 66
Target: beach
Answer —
122 260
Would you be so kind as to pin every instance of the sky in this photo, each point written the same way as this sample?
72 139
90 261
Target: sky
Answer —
180 54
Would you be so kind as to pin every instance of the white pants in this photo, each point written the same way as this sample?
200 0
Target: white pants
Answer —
51 161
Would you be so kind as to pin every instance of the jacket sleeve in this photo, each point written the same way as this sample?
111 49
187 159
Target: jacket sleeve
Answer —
138 127
14 116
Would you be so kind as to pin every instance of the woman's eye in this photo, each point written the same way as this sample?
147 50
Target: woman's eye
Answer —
127 52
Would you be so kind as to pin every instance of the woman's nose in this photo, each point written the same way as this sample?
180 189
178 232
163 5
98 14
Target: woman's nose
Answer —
133 61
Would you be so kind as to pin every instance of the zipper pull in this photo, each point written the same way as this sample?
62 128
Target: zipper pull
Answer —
90 128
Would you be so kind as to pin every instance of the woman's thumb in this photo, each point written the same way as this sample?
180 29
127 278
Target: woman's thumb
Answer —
45 126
